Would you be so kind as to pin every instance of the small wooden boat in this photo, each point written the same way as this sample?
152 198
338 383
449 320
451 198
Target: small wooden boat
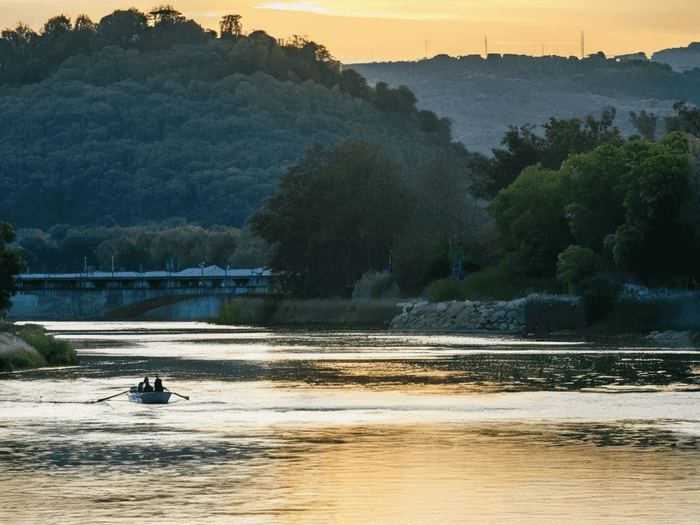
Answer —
149 398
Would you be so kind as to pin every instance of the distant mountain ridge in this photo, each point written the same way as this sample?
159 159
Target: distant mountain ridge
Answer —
681 59
483 97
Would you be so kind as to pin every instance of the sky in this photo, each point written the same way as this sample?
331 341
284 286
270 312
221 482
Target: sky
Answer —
391 30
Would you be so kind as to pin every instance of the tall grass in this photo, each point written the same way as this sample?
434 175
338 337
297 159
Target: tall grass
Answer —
50 351
56 353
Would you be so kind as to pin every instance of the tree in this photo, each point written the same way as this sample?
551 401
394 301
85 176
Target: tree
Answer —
645 123
494 174
165 14
652 241
337 214
525 148
11 264
230 25
576 264
686 120
530 217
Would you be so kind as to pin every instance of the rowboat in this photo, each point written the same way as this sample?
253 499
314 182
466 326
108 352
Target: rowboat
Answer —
150 398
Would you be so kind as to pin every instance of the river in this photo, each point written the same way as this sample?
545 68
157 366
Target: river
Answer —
297 426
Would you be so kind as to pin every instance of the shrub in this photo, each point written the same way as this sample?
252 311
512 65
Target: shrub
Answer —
246 312
26 360
576 264
55 352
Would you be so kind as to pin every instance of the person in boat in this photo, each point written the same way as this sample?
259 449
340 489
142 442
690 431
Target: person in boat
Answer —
158 385
145 386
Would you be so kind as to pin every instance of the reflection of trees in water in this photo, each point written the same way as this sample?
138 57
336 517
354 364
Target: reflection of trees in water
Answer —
511 372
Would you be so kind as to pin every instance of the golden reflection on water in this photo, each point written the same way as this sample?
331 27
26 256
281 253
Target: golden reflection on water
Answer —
383 474
296 427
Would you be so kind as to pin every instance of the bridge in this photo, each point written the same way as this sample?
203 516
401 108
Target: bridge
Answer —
195 293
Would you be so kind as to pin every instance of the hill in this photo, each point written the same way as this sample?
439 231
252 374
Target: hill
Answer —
681 59
198 131
483 97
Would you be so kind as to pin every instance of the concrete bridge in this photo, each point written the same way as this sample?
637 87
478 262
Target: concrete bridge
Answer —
196 293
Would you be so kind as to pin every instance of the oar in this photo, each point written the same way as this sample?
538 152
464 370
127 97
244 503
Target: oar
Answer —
110 397
183 397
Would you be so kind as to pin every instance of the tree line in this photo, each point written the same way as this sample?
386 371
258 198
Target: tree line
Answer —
576 203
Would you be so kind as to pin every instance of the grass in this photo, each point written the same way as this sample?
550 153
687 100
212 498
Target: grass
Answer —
245 311
494 283
51 351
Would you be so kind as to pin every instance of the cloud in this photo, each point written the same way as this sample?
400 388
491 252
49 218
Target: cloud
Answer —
314 7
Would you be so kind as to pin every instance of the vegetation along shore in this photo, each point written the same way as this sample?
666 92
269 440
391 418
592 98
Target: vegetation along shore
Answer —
28 346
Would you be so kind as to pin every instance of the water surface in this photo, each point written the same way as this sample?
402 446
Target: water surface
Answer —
322 426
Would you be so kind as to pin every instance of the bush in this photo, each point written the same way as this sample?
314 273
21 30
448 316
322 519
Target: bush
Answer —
245 312
53 351
22 360
576 264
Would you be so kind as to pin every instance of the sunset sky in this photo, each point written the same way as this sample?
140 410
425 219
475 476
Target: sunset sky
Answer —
365 30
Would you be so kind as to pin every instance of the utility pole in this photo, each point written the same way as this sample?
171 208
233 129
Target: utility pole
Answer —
486 46
582 53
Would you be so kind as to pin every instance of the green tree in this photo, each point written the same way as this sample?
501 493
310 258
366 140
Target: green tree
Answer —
11 264
525 148
530 218
576 264
594 204
652 241
337 214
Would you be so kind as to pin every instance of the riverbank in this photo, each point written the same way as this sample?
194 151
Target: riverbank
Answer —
27 346
352 313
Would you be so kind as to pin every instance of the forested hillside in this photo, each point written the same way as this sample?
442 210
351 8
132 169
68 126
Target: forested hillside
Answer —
484 97
144 140
201 131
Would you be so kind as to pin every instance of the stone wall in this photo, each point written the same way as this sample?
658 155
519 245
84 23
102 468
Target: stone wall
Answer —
462 316
516 316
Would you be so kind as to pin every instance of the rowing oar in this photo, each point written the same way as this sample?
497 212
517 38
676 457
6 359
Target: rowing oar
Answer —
183 397
110 397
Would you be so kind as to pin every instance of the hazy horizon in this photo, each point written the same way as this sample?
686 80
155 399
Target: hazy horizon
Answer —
364 31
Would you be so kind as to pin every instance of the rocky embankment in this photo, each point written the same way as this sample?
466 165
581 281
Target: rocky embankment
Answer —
462 316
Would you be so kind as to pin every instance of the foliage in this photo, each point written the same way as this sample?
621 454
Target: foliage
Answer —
645 123
656 186
197 131
21 360
173 244
245 311
576 264
686 119
525 148
530 218
494 282
337 214
594 203
417 261
57 353
625 198
11 264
